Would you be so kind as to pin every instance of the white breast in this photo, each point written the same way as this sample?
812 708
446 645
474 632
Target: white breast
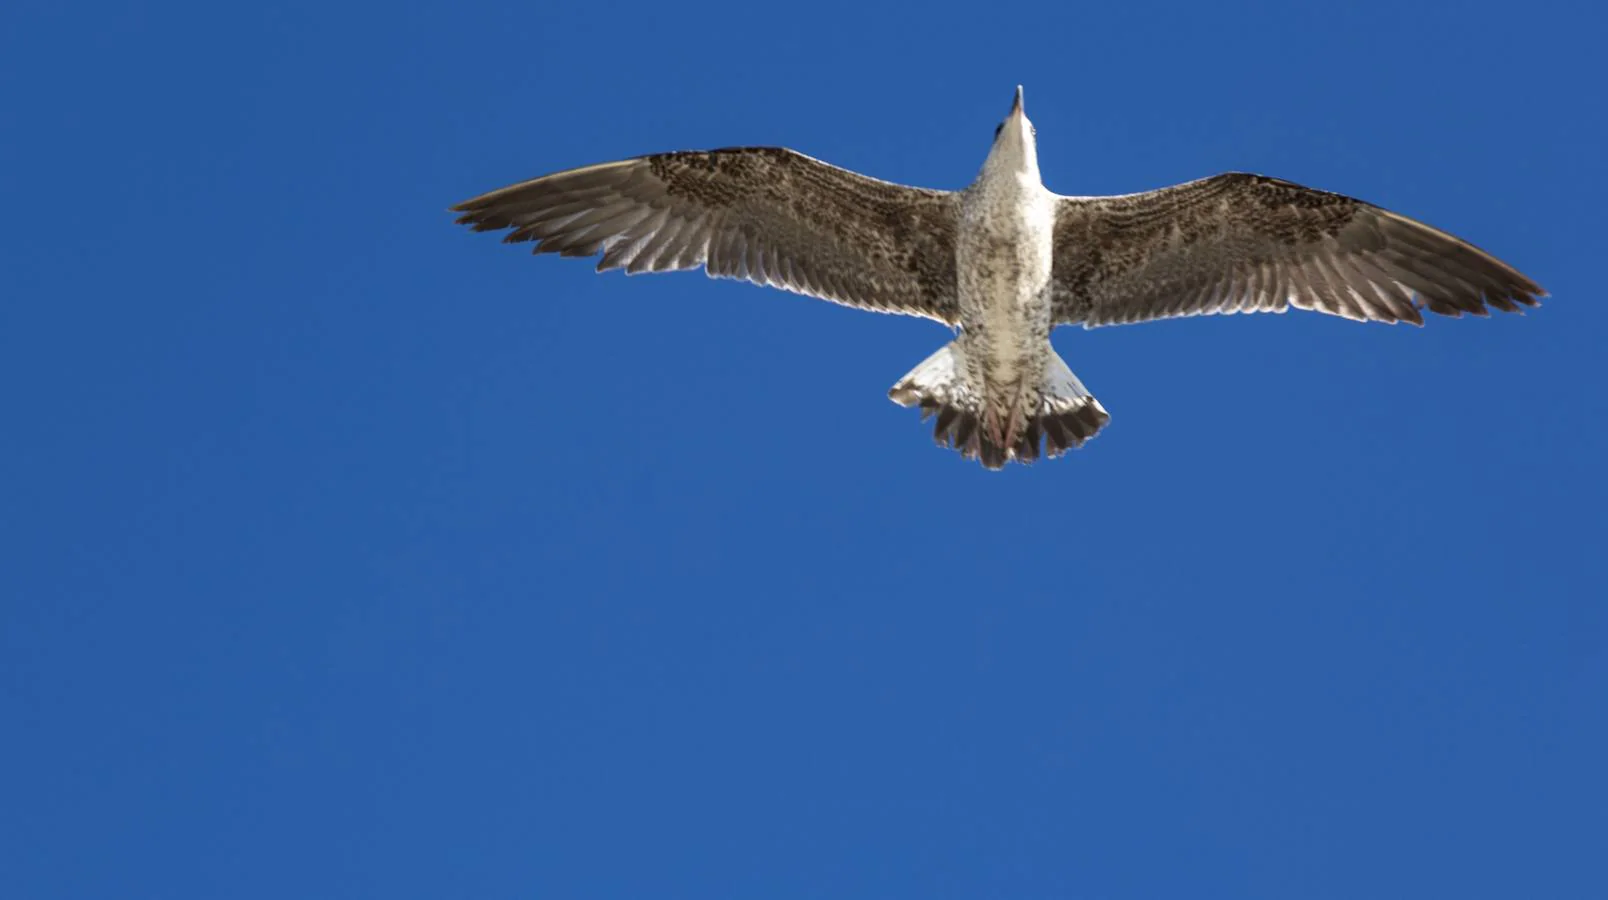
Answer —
1004 255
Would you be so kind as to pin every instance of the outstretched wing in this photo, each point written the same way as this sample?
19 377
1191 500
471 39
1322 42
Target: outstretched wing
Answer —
768 215
1247 243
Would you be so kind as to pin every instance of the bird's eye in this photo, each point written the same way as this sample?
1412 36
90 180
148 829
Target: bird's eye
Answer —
997 129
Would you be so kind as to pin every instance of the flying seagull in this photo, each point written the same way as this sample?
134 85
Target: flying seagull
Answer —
1003 261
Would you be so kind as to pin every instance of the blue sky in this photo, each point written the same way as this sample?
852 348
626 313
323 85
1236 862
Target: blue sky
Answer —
350 554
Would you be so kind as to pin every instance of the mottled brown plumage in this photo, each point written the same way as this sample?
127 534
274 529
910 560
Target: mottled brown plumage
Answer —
768 215
1247 243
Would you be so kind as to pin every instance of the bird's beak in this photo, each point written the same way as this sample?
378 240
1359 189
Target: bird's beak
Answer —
1016 105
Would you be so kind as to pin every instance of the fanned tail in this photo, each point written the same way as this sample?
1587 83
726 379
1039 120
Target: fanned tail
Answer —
1056 417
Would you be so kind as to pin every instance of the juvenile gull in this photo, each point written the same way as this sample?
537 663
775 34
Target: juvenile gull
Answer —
1003 261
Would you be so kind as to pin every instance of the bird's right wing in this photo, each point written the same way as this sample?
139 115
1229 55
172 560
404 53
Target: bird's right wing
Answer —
767 215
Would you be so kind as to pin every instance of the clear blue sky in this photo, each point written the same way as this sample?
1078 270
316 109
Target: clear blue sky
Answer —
351 554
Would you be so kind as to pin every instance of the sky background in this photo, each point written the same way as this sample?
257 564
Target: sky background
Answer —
351 554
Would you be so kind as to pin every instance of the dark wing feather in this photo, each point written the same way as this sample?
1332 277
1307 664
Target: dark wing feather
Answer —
1247 243
768 215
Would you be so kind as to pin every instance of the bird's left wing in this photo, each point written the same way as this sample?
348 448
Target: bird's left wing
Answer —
768 215
1248 243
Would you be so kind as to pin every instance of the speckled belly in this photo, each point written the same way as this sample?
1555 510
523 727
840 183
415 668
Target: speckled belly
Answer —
1004 258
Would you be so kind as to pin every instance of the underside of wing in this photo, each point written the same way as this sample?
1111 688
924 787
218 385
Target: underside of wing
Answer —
1248 243
767 215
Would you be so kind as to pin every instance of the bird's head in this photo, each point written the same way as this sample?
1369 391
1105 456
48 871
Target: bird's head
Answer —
1015 142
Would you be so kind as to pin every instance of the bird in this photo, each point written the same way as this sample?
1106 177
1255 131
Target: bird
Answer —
1003 261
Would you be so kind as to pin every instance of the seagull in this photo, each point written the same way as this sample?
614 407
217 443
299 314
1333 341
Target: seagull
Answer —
1003 262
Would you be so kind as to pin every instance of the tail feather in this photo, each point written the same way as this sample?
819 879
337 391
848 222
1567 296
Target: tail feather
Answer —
1058 416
